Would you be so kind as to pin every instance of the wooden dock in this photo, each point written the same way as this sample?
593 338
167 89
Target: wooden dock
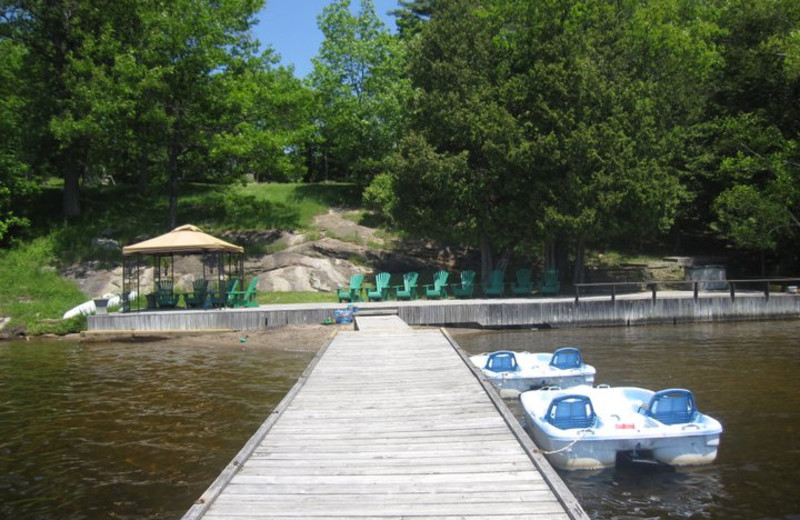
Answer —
389 422
623 310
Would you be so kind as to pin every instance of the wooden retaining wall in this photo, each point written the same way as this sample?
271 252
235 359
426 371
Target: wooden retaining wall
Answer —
604 312
563 312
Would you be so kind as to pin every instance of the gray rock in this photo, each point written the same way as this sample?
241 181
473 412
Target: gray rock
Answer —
105 243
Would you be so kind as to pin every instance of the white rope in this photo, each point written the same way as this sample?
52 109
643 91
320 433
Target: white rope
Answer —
581 435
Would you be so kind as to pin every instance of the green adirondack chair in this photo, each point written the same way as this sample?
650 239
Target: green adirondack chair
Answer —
165 295
381 290
407 291
246 298
494 286
199 294
467 286
353 292
438 289
523 285
549 283
224 297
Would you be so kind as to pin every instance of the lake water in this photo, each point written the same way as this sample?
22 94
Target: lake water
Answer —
139 430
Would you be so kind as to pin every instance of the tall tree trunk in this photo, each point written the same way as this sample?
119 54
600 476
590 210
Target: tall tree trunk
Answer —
143 183
71 203
578 273
173 186
562 256
71 194
487 257
549 253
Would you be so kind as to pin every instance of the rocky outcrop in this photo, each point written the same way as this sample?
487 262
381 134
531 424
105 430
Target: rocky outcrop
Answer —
343 249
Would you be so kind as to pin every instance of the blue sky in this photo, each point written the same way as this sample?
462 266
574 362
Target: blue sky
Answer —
290 28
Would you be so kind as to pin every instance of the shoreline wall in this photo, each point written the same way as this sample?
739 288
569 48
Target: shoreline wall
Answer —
474 313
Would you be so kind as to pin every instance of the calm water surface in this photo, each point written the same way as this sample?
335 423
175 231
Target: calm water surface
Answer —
139 430
128 431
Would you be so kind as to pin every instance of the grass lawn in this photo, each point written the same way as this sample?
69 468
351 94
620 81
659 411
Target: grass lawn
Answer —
267 298
32 293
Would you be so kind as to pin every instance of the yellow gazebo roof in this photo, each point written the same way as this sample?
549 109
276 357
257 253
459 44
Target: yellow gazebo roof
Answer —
186 239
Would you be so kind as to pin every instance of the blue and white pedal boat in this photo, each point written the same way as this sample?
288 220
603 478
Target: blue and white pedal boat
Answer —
587 427
522 371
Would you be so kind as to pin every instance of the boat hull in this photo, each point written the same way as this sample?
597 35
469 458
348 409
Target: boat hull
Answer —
619 429
566 454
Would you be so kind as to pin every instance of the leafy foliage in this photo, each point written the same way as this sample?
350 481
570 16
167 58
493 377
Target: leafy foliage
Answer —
361 93
526 128
13 181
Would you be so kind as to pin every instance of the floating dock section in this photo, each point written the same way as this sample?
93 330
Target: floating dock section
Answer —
389 423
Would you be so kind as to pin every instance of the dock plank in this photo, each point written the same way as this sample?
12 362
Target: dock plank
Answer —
388 424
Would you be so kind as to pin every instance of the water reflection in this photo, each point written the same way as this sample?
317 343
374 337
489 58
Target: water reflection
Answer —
744 374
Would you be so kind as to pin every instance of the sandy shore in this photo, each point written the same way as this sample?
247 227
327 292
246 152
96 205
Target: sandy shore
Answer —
300 337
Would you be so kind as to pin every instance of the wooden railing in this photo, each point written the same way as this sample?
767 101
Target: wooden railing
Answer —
695 285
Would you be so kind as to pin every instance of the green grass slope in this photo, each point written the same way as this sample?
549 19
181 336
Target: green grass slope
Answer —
35 297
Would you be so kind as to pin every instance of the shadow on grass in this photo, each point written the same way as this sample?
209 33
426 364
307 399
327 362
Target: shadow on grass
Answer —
334 194
125 215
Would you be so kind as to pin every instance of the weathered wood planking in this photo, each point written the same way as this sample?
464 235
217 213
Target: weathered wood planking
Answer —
372 322
523 312
389 424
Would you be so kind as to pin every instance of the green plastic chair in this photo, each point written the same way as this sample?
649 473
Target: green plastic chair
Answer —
467 286
381 291
549 283
224 297
523 285
407 291
353 292
495 285
197 298
165 295
245 298
438 289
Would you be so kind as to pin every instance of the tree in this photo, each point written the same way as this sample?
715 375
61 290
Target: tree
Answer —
194 49
455 176
52 34
603 91
362 94
744 164
129 85
568 116
267 125
13 183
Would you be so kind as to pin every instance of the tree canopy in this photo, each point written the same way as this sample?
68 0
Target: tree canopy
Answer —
531 130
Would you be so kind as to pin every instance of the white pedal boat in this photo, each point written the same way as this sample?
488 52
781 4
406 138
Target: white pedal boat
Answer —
586 428
522 371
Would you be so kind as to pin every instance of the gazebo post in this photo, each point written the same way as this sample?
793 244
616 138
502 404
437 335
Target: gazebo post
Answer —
221 275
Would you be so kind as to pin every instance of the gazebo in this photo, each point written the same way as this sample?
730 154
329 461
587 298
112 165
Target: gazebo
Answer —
221 259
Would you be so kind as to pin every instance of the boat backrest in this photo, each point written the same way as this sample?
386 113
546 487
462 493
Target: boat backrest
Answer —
570 412
502 361
672 406
567 357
